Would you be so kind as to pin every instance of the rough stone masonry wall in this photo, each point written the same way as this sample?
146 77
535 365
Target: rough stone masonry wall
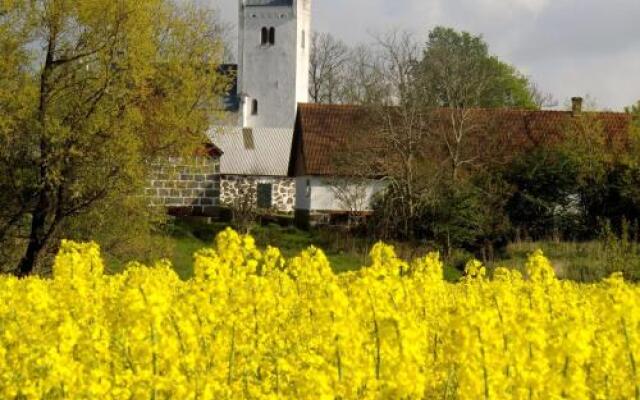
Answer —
189 185
283 192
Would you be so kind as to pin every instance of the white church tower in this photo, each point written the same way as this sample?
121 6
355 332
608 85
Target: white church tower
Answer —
273 61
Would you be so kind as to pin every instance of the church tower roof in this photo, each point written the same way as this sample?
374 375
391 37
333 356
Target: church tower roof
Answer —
269 2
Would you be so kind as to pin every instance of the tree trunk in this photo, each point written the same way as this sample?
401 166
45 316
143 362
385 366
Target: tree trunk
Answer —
37 236
39 232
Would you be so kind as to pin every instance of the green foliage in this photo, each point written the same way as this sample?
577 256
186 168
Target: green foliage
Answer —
544 201
616 197
634 111
566 190
464 214
126 228
455 218
581 261
90 91
346 252
458 70
621 251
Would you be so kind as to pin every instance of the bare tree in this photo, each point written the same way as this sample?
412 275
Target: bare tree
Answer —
243 209
356 171
363 83
352 195
542 99
391 140
426 124
326 68
366 74
398 54
455 74
405 128
424 116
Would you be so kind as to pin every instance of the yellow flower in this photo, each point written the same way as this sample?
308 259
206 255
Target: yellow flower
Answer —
252 324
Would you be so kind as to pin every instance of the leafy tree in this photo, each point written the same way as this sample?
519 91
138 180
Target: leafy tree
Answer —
457 70
544 200
610 182
585 147
572 187
90 91
455 218
457 75
634 111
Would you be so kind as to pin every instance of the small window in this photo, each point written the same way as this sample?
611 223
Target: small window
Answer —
265 36
308 189
254 107
272 36
304 39
264 195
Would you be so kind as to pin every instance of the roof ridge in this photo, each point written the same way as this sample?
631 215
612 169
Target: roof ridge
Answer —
324 128
492 109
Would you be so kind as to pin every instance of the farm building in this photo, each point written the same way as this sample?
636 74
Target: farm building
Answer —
324 189
322 132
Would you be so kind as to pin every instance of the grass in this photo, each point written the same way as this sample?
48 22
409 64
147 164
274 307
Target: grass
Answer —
185 246
189 236
579 261
344 252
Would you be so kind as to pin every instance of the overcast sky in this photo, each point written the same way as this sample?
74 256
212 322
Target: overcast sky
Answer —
569 47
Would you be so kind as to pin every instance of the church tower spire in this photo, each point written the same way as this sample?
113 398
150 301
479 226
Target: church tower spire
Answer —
273 60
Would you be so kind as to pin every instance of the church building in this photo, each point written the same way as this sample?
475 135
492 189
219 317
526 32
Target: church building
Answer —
272 78
277 152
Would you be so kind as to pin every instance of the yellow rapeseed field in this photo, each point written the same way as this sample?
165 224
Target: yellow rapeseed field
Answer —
253 325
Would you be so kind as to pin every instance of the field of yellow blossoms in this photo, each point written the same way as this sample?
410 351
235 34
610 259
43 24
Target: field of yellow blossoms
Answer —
253 325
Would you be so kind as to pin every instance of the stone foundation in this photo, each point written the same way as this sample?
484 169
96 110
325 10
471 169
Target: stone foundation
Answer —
190 184
283 191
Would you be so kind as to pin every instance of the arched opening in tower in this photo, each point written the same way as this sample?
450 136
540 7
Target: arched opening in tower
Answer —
272 36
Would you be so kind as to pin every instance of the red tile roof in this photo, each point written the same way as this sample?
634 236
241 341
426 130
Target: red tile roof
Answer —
322 130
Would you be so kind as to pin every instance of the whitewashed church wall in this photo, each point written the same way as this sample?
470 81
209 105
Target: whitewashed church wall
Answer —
276 76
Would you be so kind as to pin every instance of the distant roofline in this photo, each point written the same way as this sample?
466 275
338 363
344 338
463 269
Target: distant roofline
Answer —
494 109
321 129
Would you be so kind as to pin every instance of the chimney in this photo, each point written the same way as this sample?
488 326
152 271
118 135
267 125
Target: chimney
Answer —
576 106
244 113
247 139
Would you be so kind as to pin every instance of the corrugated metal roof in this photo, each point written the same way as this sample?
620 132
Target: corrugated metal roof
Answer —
268 2
253 151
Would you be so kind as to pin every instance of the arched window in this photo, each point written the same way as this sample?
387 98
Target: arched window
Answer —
272 36
265 36
254 107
